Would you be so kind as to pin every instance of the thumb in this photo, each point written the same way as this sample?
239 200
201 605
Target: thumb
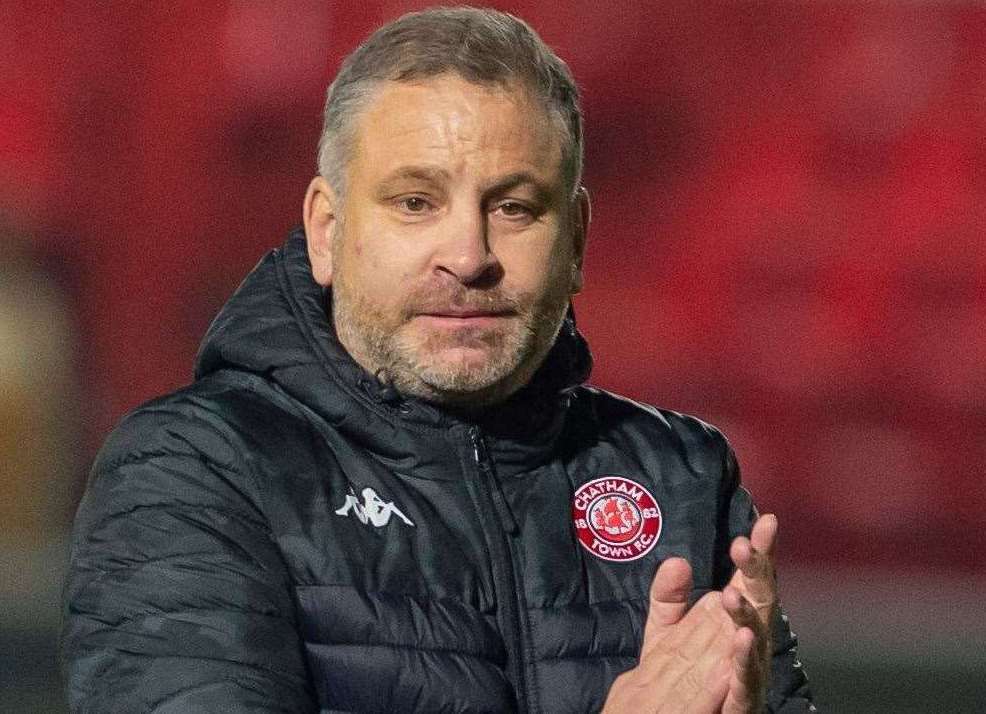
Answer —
668 596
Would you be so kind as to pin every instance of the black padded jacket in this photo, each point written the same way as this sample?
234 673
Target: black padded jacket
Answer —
287 534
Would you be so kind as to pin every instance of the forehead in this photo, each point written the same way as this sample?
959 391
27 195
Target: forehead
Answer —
458 126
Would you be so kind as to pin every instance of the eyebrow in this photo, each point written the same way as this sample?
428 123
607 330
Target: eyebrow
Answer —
431 174
439 176
542 192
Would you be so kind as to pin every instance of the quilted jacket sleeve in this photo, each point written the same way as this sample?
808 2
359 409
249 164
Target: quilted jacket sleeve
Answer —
177 599
788 692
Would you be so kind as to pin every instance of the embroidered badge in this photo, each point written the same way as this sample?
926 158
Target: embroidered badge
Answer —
373 509
616 518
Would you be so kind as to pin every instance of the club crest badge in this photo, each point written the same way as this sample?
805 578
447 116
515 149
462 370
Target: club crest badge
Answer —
616 518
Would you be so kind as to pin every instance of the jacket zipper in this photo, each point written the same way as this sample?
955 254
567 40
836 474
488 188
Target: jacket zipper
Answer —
508 611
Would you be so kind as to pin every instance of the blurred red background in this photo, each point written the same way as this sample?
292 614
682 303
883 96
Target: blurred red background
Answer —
789 201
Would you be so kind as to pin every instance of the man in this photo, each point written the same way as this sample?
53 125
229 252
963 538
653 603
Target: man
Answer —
388 489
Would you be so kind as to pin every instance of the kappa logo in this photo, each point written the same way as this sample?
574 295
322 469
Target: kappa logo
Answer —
373 509
616 518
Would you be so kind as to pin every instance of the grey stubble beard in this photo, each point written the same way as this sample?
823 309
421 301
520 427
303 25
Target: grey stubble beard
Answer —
380 345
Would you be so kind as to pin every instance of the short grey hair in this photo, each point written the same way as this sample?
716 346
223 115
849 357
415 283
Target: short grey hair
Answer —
483 46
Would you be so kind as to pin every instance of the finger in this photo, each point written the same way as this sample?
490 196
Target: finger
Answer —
754 555
764 534
750 653
668 595
741 611
747 681
753 558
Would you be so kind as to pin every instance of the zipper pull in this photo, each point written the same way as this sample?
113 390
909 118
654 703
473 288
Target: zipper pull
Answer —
478 447
480 453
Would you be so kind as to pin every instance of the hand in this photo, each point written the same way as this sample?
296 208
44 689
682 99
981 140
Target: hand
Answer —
750 598
686 659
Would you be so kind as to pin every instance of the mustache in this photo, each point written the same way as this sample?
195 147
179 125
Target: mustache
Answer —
461 299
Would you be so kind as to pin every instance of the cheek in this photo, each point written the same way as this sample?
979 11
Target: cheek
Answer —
363 258
381 275
539 272
394 260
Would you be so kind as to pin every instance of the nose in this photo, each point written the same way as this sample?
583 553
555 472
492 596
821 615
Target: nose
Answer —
464 250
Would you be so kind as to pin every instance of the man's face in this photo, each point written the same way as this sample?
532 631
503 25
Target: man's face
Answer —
456 246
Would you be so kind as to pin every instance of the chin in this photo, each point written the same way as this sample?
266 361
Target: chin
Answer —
460 372
465 359
467 370
466 375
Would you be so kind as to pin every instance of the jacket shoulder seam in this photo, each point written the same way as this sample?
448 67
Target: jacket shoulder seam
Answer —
180 506
131 459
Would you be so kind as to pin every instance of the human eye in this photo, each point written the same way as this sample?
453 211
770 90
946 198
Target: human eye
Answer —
414 205
515 211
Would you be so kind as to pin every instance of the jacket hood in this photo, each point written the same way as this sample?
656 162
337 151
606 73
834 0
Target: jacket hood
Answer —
277 325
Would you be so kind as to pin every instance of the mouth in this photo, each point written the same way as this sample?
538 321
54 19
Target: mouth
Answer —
465 314
461 318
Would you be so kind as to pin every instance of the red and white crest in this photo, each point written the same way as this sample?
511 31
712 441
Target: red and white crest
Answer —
616 518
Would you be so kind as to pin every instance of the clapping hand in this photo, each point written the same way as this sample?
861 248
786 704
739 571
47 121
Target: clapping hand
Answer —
715 656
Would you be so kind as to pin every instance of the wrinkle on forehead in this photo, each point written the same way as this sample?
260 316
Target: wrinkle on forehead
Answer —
458 123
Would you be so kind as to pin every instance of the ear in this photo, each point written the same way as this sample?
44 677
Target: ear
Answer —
321 223
581 215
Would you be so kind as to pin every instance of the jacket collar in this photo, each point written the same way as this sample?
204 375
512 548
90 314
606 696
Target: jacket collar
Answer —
277 325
